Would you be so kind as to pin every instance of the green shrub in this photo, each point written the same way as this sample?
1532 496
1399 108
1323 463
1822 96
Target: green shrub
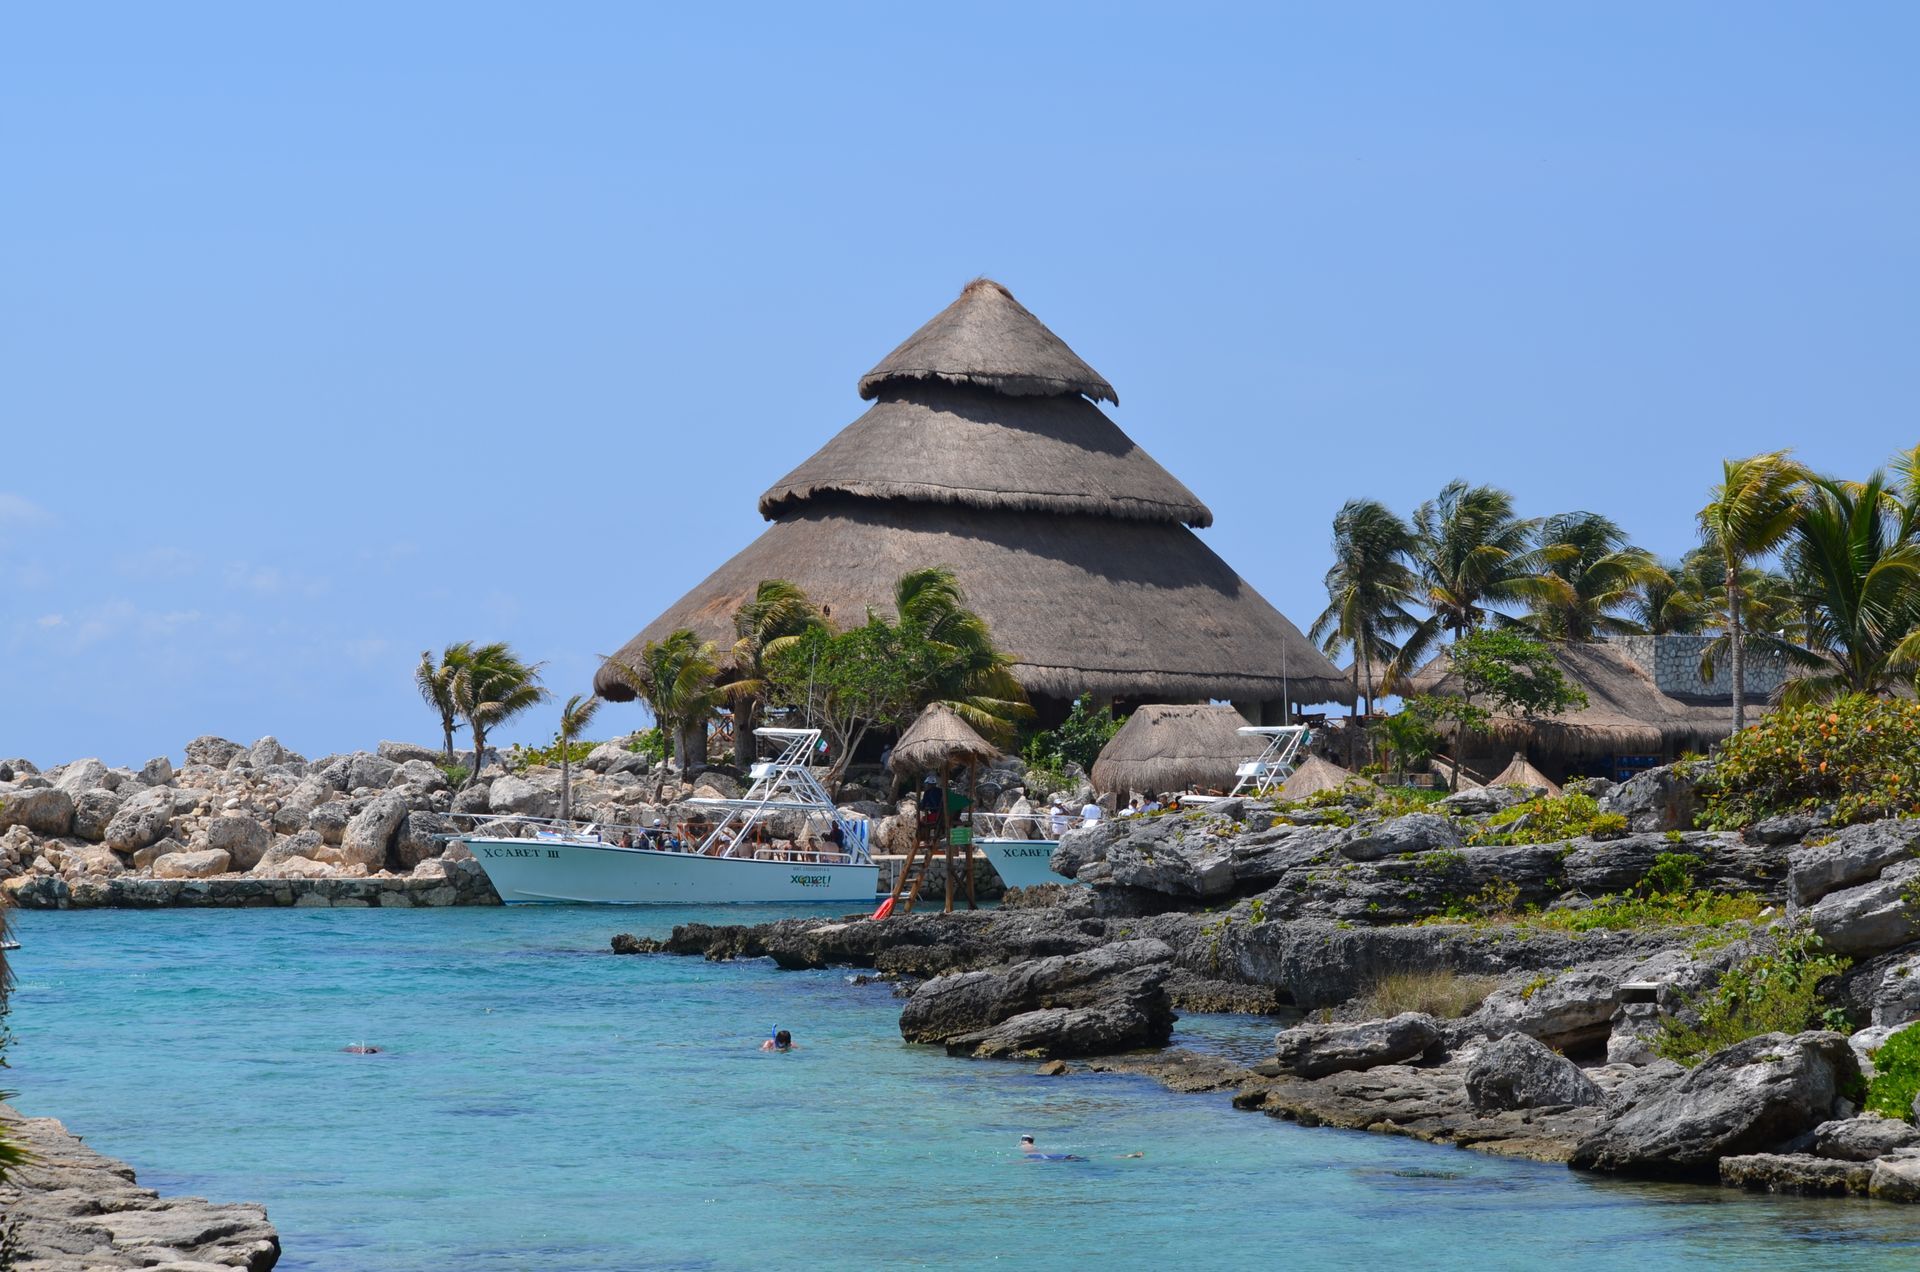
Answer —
1774 990
1896 1075
1859 754
521 758
1671 872
456 774
1078 740
1548 819
652 743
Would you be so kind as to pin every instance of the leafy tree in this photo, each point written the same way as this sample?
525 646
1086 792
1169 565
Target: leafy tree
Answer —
1509 673
1602 573
778 615
963 670
1750 513
851 683
1079 739
1413 734
435 681
574 719
1664 604
1471 553
492 686
675 677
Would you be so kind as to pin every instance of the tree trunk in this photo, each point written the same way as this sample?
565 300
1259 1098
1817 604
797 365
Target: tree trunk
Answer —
446 733
1369 674
1353 717
479 750
566 783
1737 636
746 714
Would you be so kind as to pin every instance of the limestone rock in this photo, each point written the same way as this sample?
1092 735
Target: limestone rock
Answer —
470 800
1659 799
1415 832
1316 1050
1861 1139
612 757
141 820
403 752
1746 1099
370 771
511 794
1796 1173
303 844
212 751
416 845
144 858
191 865
1479 801
81 776
330 820
243 839
44 810
371 832
93 812
1853 856
1520 1072
1870 917
1126 979
1896 1178
157 771
268 753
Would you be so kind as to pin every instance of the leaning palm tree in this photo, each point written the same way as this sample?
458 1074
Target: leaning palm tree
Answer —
969 674
676 678
1664 604
1368 588
1749 514
1857 571
574 719
1471 553
491 688
435 683
778 615
1603 574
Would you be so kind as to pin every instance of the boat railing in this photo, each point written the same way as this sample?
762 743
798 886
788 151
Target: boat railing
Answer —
1039 824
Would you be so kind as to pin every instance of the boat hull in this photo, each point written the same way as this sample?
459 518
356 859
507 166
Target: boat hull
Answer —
1022 863
540 871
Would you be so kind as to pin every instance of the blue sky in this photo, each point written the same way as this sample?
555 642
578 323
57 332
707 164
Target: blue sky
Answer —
334 333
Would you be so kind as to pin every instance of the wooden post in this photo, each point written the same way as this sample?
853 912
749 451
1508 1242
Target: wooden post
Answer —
921 878
946 828
973 807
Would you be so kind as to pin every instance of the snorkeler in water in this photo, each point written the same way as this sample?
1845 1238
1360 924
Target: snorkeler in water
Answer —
1033 1154
781 1041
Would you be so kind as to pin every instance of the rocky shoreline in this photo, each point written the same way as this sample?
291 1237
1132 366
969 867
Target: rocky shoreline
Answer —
1247 908
71 1209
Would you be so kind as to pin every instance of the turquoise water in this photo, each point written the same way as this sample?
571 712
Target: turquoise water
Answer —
543 1104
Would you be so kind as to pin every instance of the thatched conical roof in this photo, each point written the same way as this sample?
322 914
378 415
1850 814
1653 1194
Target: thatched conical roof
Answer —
935 443
988 338
1165 747
937 740
1313 775
1520 772
984 456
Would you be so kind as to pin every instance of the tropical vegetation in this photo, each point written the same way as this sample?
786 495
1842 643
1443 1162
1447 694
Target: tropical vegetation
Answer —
481 685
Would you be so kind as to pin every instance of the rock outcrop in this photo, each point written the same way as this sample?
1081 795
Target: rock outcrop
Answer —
1520 1072
1316 1050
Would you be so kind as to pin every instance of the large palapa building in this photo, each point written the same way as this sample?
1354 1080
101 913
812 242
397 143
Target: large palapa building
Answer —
985 452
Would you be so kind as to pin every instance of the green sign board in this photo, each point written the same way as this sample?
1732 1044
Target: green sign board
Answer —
960 836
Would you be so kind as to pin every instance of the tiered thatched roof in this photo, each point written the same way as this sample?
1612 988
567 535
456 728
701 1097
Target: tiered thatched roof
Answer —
984 453
938 740
1625 712
1171 747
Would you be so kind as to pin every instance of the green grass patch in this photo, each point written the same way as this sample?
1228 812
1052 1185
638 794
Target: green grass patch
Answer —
1548 819
1896 1075
1440 993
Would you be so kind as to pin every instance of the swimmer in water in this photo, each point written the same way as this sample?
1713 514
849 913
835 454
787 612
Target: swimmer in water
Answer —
1033 1154
781 1041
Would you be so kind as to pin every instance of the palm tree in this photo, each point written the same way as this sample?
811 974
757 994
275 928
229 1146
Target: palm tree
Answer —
1603 574
1665 604
435 683
1470 554
1857 569
493 686
1751 511
778 615
1368 587
676 677
574 719
970 675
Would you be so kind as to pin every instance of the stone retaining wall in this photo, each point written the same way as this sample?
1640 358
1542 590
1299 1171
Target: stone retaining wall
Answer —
463 884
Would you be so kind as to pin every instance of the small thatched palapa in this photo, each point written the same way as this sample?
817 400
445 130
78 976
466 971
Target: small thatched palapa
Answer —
984 453
1519 772
1171 747
937 741
1314 775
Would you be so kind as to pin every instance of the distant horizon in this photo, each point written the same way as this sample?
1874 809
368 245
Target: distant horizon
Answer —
327 349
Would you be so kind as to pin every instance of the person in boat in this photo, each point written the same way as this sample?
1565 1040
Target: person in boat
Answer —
781 1041
1089 813
835 841
1057 820
1032 1153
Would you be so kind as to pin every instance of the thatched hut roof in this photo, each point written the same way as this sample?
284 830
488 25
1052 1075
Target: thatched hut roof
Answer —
937 740
939 444
1626 713
1520 772
1171 747
988 338
1314 775
984 455
1082 604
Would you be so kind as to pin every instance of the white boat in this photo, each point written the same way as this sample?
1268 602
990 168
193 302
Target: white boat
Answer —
1266 772
565 862
1019 861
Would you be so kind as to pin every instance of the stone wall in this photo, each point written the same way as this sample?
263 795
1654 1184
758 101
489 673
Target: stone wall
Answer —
1674 664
